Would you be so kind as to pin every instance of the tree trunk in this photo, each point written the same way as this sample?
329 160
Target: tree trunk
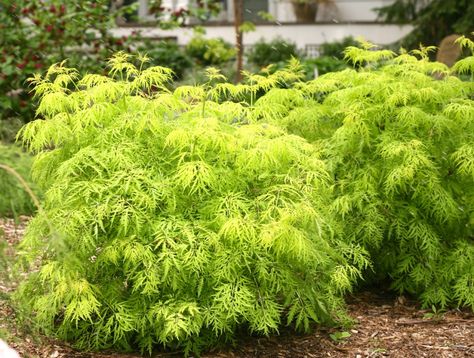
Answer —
238 19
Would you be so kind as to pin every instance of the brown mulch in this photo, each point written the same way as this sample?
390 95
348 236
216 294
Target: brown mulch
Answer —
386 326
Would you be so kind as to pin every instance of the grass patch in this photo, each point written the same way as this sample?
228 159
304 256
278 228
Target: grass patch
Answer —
14 200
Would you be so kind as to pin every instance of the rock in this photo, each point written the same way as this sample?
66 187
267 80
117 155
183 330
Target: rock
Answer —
6 351
449 51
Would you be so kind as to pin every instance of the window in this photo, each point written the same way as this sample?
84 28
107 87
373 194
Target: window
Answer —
252 8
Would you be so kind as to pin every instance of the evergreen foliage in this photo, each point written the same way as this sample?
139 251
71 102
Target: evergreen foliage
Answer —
322 65
167 53
175 218
432 19
263 53
398 137
336 48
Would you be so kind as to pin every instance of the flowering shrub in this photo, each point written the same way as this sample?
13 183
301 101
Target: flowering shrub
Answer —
174 218
173 17
35 34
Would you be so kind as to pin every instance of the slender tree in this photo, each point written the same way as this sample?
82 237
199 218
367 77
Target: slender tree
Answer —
238 19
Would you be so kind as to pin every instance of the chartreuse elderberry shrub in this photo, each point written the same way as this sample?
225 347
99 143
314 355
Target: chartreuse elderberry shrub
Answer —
165 225
398 138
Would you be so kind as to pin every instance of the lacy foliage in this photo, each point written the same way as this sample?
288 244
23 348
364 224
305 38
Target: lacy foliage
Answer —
398 136
174 218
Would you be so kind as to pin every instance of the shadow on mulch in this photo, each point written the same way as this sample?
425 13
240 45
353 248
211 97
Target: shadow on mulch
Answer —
387 325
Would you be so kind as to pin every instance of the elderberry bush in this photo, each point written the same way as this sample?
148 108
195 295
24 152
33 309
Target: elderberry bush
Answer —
175 218
397 135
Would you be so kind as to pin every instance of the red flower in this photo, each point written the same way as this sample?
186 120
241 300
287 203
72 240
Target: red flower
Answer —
25 11
38 65
52 8
49 28
36 22
62 9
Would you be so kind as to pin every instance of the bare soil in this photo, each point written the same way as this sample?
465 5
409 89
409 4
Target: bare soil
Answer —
387 326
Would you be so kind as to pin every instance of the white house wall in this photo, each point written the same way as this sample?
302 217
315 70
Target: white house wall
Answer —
302 34
337 20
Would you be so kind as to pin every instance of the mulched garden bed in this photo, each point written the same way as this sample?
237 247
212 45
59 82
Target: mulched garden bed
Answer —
387 326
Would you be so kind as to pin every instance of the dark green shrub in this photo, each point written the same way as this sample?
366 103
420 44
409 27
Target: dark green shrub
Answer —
198 74
264 53
169 54
165 225
336 48
398 136
9 127
208 52
322 65
14 200
432 20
